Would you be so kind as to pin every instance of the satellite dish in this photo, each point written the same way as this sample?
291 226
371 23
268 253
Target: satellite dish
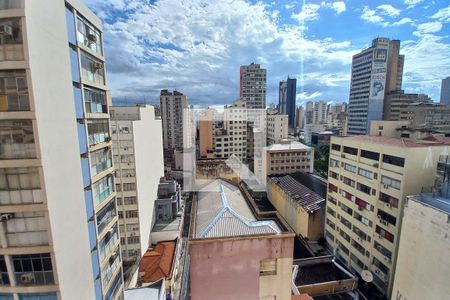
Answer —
367 276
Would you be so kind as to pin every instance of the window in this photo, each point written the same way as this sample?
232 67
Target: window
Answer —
333 175
348 181
367 173
268 267
38 296
370 155
11 44
363 219
380 248
4 278
92 68
332 188
102 189
88 35
386 218
363 204
16 185
346 223
105 215
393 160
363 188
336 147
387 181
17 139
350 150
331 224
14 91
133 240
334 163
131 214
129 200
129 187
388 199
350 168
331 211
101 160
27 229
332 200
95 101
384 233
35 269
98 131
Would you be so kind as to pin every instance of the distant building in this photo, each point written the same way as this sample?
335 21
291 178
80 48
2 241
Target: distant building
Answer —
320 112
233 254
423 267
139 164
206 130
300 199
253 86
300 117
368 181
397 101
172 106
376 71
400 129
309 113
232 139
445 91
287 157
277 128
321 138
431 116
287 97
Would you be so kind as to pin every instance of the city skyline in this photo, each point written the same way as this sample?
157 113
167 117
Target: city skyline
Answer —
164 45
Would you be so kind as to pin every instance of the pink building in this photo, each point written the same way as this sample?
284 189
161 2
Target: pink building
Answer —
233 254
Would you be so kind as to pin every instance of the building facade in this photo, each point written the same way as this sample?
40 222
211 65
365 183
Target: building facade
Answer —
369 179
277 128
376 71
430 116
445 91
320 112
56 160
300 117
253 86
398 101
287 99
234 138
138 160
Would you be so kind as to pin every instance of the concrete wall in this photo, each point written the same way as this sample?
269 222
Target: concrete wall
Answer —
51 86
423 267
229 268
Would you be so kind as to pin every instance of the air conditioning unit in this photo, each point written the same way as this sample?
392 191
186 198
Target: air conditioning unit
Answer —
92 38
6 217
27 278
6 30
97 65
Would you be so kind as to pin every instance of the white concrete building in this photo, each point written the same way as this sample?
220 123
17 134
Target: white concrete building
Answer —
277 128
320 112
58 229
235 125
139 164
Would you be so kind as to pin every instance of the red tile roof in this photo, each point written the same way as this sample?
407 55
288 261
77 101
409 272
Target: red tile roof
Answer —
157 263
395 142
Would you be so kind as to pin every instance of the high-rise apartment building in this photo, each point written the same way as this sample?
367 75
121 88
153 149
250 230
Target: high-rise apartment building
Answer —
172 106
300 117
369 179
445 91
277 128
253 86
138 161
287 96
233 140
320 112
376 71
309 112
59 230
206 130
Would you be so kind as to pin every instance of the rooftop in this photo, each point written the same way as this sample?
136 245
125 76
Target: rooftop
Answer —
156 264
433 200
405 143
150 292
319 270
222 211
287 146
309 192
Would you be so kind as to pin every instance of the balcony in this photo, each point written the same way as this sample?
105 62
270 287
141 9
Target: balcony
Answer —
102 189
108 242
106 215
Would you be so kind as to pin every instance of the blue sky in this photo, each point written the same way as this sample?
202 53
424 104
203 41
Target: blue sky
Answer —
197 46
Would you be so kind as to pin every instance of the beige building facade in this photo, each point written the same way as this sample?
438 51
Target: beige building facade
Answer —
369 179
277 128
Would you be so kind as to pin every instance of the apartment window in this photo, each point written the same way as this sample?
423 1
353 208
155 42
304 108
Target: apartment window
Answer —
380 248
16 185
88 35
334 163
95 100
346 195
98 131
331 211
33 269
386 218
102 189
361 234
131 214
268 267
363 219
348 181
108 242
331 224
101 160
366 173
350 150
127 158
92 68
384 233
336 147
27 229
363 188
393 160
333 175
11 44
363 204
346 223
343 248
358 262
332 188
14 91
350 168
105 215
344 235
130 200
394 183
38 296
133 240
10 4
388 199
332 200
17 139
370 155
129 187
329 235
358 247
4 278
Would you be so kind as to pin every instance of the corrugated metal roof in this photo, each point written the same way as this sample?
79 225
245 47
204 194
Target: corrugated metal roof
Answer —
305 197
223 212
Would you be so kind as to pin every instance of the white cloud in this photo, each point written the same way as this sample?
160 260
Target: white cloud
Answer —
308 96
412 3
403 21
430 27
309 12
370 16
338 6
388 10
442 15
289 6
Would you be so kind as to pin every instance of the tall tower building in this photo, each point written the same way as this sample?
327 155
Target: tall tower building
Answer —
445 91
300 117
59 232
287 96
320 112
253 86
309 112
139 164
172 105
376 71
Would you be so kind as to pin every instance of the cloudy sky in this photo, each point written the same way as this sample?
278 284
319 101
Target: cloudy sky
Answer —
197 46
